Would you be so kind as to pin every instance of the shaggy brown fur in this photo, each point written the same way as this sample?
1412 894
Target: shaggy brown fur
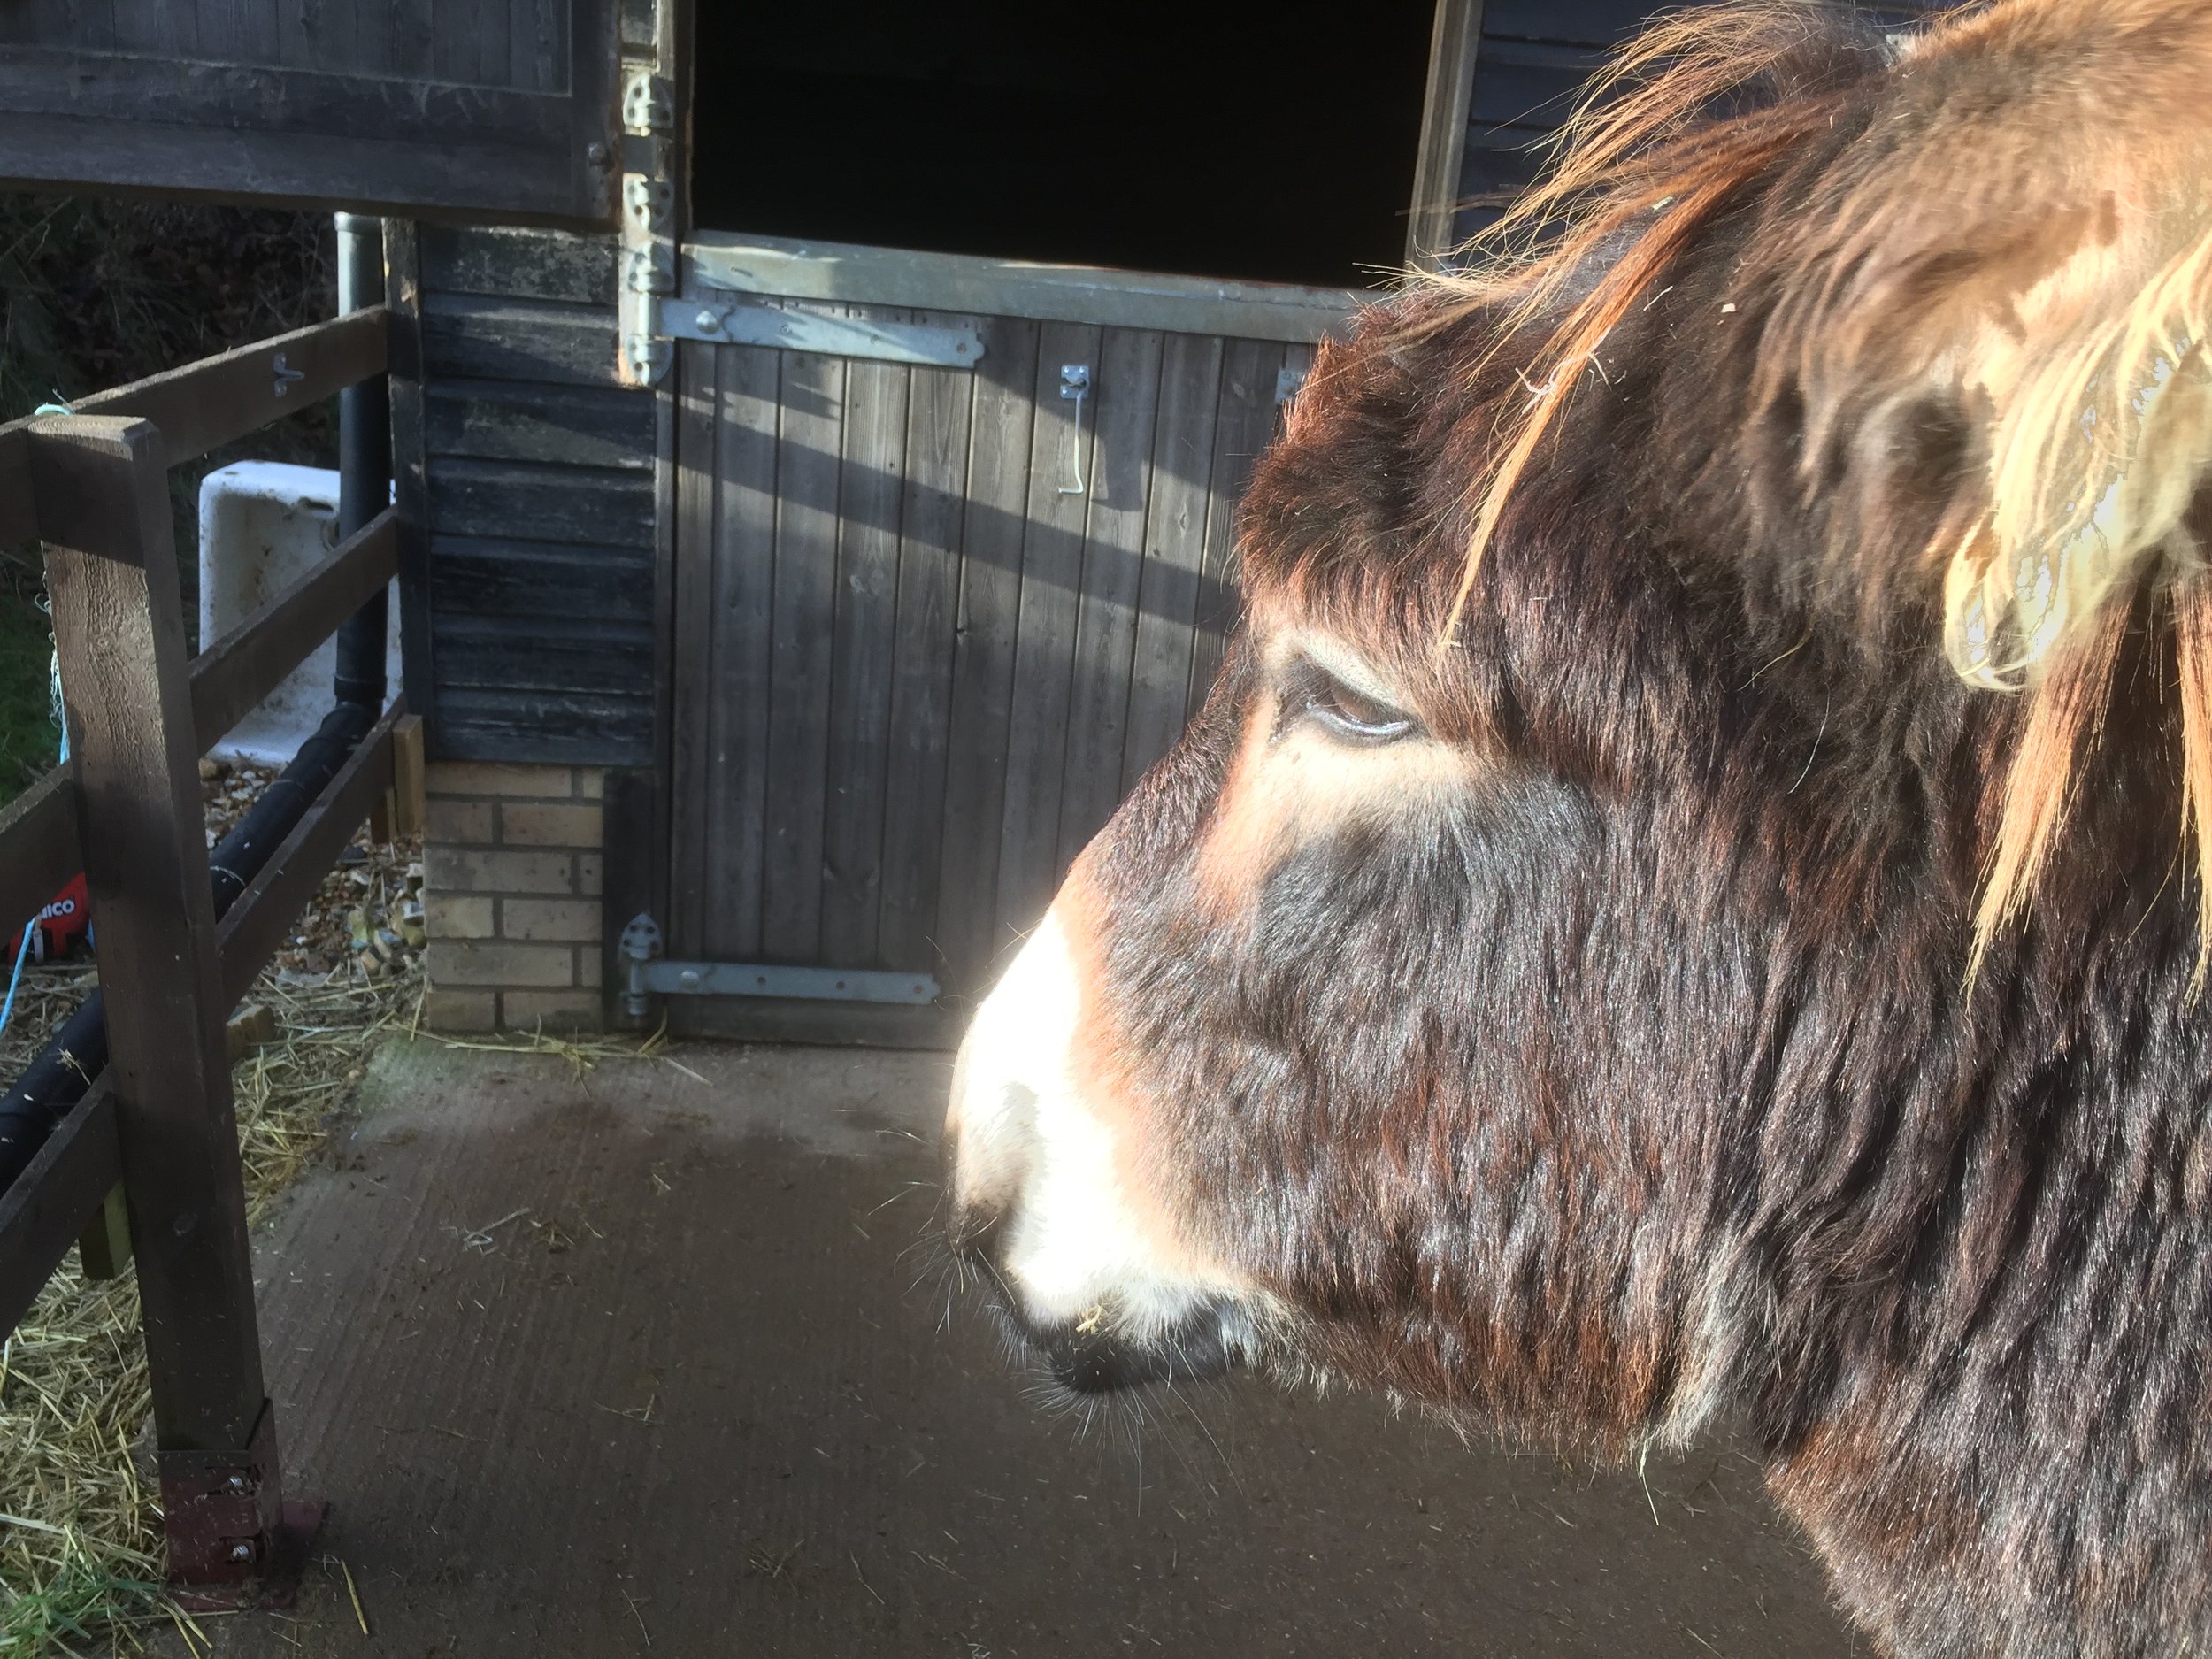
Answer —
1643 1082
2018 244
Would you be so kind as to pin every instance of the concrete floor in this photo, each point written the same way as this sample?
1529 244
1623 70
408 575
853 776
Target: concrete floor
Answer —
631 1362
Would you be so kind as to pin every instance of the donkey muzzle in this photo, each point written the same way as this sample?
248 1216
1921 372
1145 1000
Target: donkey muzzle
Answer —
1092 1272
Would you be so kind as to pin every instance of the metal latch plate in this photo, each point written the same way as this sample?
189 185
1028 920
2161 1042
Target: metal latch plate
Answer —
735 321
813 985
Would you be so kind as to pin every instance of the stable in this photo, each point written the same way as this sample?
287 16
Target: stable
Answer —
818 430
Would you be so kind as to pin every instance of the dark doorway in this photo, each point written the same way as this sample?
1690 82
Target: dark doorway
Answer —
1214 137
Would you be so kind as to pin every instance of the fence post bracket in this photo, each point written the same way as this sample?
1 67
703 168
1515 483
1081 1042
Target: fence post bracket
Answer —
234 1543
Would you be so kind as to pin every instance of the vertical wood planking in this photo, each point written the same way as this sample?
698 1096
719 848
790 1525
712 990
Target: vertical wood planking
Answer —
85 24
538 45
808 448
470 44
1243 426
1128 398
985 629
411 27
930 675
1044 651
871 489
166 28
236 31
939 418
737 688
1174 551
308 31
375 36
694 766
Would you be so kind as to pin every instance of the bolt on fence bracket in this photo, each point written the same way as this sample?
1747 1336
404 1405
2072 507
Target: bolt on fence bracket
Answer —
233 1538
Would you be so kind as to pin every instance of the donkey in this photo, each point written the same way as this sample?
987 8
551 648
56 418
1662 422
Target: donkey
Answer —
1686 900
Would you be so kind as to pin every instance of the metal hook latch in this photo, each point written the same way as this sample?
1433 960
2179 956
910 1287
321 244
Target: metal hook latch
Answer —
640 943
285 375
1075 382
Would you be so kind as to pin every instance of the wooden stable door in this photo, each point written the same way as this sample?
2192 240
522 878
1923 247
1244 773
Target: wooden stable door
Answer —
932 624
487 108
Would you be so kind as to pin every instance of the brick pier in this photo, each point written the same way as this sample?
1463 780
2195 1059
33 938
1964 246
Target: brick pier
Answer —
512 883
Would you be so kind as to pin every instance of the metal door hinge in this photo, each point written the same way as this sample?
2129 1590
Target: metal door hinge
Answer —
639 944
650 212
647 204
646 358
649 974
649 104
650 268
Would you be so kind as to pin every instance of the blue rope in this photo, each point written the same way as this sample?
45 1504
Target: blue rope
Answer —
7 1007
16 979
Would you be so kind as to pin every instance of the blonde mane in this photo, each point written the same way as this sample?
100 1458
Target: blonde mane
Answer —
2022 223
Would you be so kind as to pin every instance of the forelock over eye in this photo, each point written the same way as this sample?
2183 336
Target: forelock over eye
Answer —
1345 715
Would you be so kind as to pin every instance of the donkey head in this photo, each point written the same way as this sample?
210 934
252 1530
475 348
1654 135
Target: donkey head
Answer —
1694 814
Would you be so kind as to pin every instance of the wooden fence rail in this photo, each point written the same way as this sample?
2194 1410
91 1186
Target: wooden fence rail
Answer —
211 403
231 676
45 1211
39 851
92 485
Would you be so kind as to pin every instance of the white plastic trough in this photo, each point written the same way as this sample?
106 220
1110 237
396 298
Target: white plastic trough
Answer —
263 525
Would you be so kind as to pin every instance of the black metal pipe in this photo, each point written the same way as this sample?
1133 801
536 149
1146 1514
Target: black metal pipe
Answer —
51 1084
65 1069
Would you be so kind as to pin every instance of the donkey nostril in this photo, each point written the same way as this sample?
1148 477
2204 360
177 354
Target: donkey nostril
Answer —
974 1233
1086 1357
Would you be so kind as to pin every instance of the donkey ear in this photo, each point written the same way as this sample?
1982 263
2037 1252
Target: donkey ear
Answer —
1981 264
2100 438
1981 258
2024 233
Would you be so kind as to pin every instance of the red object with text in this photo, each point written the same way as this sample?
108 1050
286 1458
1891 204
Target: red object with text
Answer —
55 930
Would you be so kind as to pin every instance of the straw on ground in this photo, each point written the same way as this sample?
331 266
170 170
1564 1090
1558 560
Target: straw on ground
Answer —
79 1521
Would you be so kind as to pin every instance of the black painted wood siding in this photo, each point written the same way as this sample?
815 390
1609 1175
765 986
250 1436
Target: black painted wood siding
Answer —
540 503
1534 57
480 108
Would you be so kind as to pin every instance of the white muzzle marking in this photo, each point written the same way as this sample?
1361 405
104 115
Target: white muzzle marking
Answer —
1030 1150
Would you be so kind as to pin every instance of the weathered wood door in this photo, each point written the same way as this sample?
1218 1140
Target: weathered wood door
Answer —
932 623
499 108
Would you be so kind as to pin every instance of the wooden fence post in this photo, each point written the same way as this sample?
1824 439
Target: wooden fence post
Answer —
101 488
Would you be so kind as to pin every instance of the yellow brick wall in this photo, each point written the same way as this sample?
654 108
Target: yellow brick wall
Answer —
511 897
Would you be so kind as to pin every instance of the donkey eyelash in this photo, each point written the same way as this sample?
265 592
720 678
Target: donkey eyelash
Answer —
1311 692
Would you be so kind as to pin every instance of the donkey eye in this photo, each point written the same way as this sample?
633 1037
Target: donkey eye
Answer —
1350 718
